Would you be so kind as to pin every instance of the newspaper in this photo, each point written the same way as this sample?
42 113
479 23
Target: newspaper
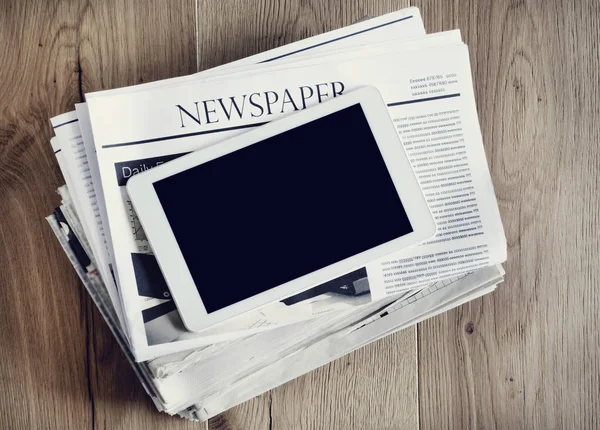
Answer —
223 374
429 299
431 102
425 79
68 148
161 323
405 314
168 365
93 283
414 304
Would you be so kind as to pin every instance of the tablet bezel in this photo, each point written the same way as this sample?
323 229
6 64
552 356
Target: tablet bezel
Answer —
171 260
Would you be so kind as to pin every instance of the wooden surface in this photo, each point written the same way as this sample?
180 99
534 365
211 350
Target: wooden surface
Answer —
531 354
533 357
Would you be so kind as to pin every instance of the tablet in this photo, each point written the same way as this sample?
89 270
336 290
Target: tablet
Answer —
282 208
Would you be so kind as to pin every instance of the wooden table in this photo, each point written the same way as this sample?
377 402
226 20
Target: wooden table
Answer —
527 356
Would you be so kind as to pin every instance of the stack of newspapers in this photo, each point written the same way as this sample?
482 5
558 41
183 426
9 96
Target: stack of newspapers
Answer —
425 81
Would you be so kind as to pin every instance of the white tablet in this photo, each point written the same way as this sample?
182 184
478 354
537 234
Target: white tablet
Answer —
281 209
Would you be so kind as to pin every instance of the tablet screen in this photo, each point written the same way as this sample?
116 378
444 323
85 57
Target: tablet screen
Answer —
282 208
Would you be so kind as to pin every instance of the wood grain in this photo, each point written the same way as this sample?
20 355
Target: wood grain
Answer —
228 31
254 414
60 366
43 309
125 43
374 387
531 356
526 357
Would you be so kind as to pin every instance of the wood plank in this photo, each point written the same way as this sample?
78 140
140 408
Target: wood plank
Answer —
228 31
528 356
374 387
60 366
117 396
125 43
250 415
42 384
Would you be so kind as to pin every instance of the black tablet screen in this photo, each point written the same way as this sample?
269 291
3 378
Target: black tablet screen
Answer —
283 208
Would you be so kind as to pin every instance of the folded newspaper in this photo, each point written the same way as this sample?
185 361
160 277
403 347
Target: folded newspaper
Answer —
425 81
